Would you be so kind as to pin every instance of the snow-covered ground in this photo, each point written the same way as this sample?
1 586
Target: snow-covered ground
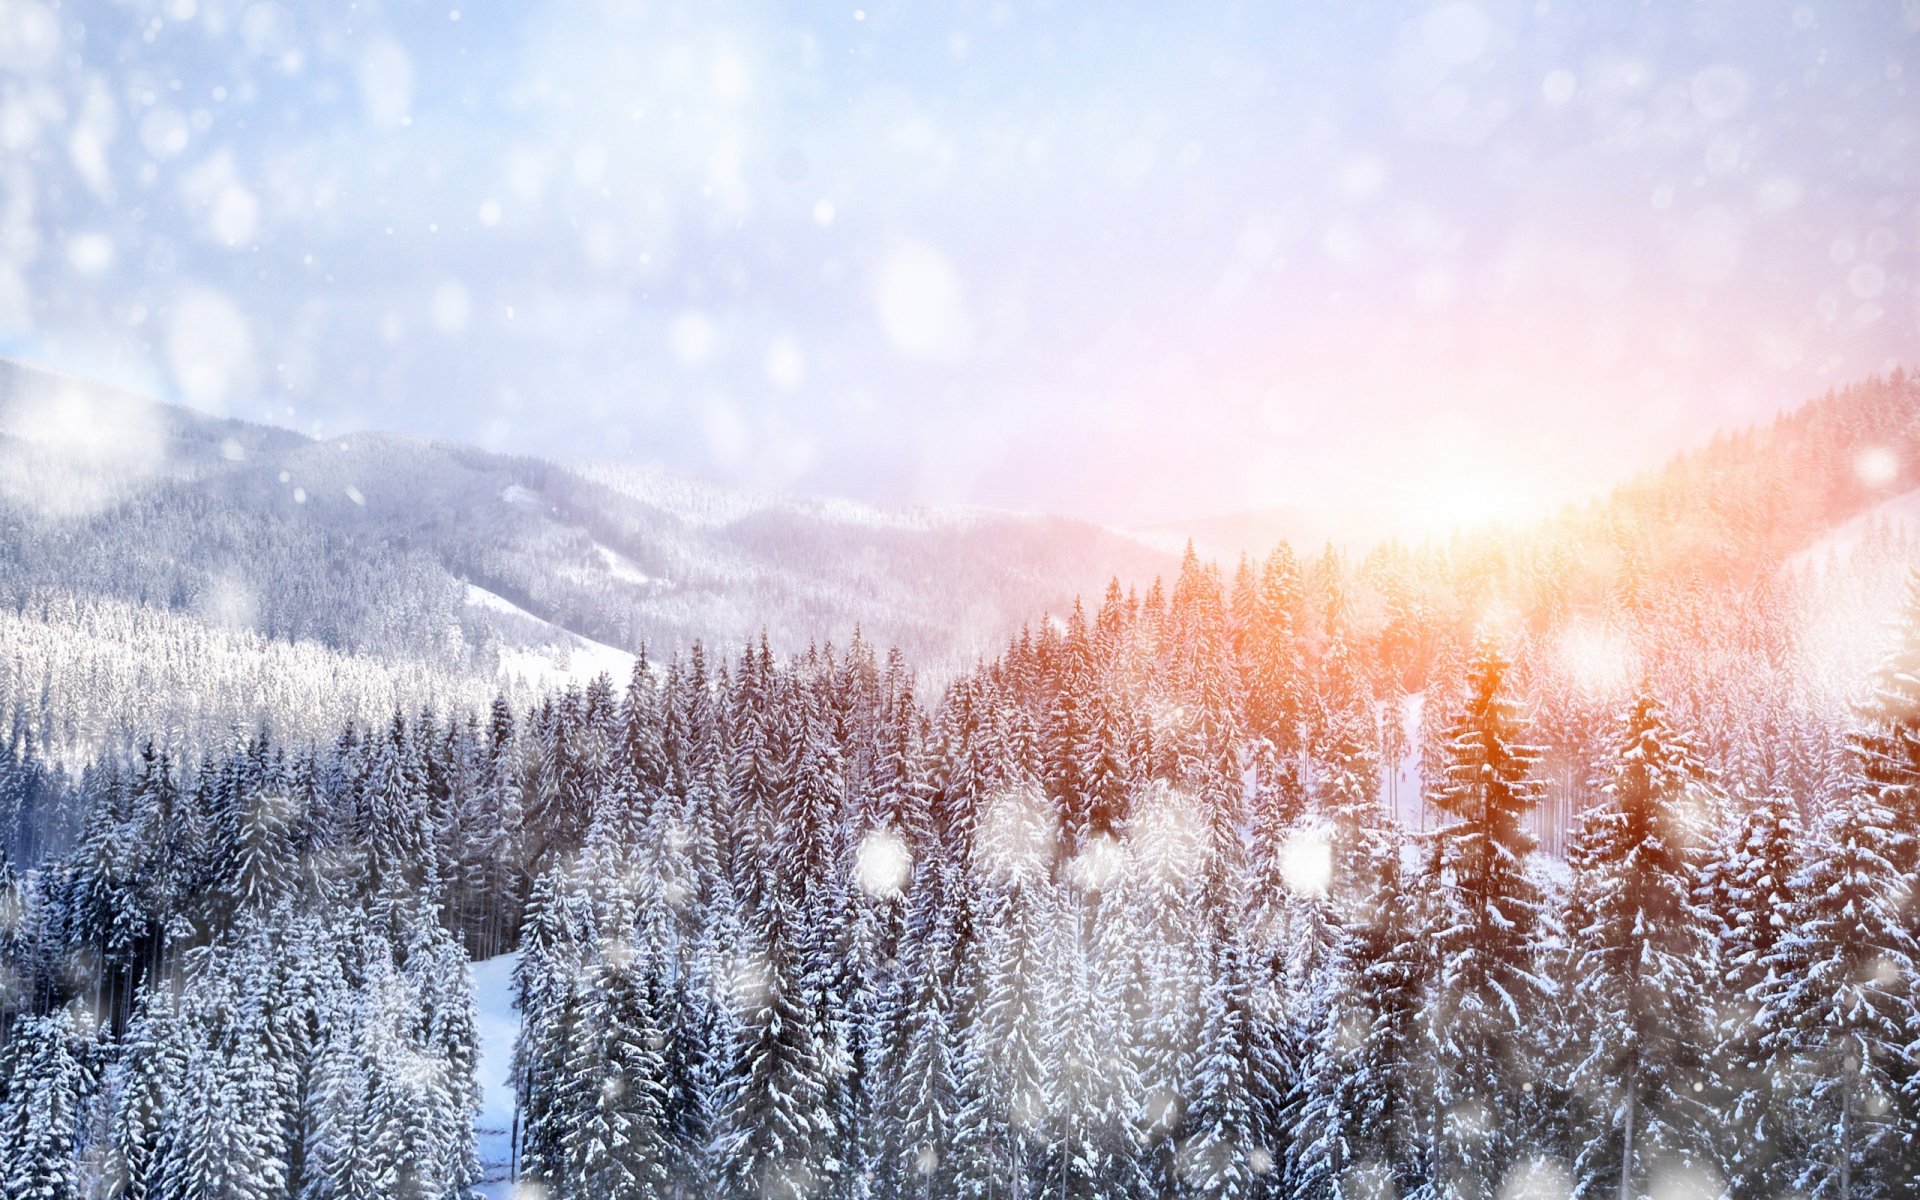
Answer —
560 658
498 1025
622 568
1900 513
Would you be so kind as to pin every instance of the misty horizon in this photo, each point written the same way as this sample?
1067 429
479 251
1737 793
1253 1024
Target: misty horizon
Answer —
998 257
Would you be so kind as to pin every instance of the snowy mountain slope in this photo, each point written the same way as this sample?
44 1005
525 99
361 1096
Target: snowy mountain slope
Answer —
701 503
371 542
545 655
1897 517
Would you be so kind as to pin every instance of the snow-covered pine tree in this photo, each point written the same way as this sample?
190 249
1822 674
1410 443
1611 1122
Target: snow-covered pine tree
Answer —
559 925
1840 1020
1643 962
618 1147
48 1070
1225 1156
775 1137
923 1093
1886 743
439 1027
146 1078
1486 983
1092 1150
1354 1134
1273 664
1752 900
1067 735
1006 1035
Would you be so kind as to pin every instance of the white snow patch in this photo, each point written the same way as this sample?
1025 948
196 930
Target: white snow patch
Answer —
498 1025
621 567
481 597
1900 514
563 658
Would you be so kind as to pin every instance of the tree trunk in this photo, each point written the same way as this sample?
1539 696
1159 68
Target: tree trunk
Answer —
1846 1133
1626 1142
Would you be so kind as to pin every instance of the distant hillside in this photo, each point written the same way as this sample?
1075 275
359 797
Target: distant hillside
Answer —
407 550
434 557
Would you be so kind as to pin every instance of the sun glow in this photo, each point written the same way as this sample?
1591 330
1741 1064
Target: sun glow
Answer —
1442 504
1477 503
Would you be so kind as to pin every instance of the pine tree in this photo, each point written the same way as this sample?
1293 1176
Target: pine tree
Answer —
1224 1156
924 1082
617 1149
1752 896
1091 1089
1355 1107
227 1138
47 1073
1841 1019
1173 856
559 925
776 1136
1643 960
1006 1050
153 1060
1486 984
1886 744
1273 666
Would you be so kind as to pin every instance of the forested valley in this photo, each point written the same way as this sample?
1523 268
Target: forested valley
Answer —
1568 860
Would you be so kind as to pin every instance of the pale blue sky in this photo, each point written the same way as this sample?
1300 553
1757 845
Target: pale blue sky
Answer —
1130 261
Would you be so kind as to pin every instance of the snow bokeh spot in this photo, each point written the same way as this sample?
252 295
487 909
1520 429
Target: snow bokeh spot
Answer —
883 864
1100 862
209 349
1685 1183
1456 34
693 338
1537 1179
1306 862
90 253
451 308
29 36
1720 91
1559 87
76 450
921 307
230 602
786 366
1878 467
164 132
386 83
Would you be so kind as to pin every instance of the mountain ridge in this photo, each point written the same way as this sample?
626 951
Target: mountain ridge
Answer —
163 501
